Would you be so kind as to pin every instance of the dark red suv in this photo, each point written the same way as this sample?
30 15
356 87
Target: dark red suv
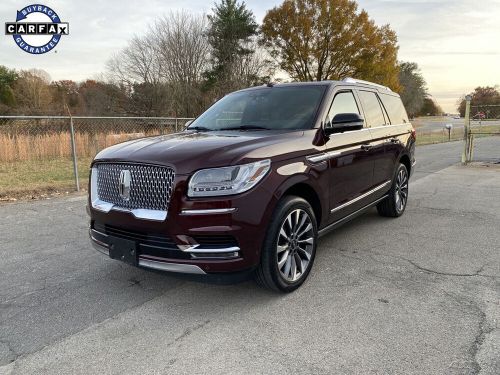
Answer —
253 182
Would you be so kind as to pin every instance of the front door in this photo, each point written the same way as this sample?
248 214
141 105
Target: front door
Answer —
351 162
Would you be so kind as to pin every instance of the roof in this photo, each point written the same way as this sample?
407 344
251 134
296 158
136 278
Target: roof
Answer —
344 82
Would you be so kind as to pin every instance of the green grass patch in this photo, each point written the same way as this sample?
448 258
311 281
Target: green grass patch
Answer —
38 177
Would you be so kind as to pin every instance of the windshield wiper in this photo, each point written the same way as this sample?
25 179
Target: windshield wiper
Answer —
247 127
199 128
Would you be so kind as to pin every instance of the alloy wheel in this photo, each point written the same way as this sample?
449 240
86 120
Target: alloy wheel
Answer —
401 190
295 245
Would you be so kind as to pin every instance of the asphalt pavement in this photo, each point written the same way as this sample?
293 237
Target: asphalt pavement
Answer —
418 294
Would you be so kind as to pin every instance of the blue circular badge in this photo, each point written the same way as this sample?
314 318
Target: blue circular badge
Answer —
38 29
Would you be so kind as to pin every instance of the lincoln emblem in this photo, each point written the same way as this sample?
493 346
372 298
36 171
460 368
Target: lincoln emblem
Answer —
124 186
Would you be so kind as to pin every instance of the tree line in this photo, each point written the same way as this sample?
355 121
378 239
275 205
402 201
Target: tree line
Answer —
485 100
185 62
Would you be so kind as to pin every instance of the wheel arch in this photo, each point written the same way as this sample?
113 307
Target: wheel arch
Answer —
308 193
405 159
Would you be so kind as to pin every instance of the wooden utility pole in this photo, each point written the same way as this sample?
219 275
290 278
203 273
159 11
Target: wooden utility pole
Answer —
467 139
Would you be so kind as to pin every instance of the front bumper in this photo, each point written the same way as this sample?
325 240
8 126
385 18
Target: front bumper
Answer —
161 253
103 248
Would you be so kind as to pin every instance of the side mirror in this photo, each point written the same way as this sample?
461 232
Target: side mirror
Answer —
344 122
189 122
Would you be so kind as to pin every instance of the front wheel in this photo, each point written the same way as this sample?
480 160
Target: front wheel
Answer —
395 204
290 246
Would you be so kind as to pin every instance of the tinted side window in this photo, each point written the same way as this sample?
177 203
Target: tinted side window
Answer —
343 102
373 112
395 109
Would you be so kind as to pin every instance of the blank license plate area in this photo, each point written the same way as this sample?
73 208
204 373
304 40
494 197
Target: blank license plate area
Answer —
123 250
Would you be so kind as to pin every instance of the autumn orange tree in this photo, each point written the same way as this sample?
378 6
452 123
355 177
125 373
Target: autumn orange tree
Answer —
314 40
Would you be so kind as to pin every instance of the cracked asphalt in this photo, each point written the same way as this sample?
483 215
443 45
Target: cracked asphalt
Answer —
414 295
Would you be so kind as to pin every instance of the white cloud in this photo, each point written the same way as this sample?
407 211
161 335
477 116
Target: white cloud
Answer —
454 42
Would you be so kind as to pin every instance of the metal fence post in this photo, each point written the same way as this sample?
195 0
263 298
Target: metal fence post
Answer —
466 152
73 153
176 124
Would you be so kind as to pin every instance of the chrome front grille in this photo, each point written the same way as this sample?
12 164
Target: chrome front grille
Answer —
150 186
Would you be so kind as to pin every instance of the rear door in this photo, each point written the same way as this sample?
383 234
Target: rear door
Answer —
395 135
350 162
376 120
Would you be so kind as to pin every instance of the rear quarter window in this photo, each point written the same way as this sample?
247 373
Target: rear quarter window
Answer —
395 109
374 116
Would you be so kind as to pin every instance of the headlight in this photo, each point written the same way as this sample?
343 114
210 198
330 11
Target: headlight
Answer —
227 180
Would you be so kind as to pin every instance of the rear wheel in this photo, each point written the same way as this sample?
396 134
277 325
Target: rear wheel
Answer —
395 204
290 246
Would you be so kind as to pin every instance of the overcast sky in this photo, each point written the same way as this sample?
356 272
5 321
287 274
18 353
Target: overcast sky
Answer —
455 42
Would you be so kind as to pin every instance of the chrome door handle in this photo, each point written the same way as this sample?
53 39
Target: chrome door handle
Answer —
366 147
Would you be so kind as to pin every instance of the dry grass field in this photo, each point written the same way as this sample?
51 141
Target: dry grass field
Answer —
57 145
35 165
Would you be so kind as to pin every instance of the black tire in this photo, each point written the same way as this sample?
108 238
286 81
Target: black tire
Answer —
282 235
395 204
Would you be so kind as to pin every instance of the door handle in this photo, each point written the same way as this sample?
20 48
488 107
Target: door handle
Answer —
394 140
366 147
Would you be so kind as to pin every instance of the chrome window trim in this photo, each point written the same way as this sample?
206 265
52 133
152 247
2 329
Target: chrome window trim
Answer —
139 213
210 211
318 158
171 267
357 199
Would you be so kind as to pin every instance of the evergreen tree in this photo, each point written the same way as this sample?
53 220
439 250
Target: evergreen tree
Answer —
231 28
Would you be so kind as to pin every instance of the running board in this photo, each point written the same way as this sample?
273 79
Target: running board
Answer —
349 217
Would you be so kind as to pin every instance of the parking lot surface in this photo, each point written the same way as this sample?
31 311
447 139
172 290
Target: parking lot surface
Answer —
418 294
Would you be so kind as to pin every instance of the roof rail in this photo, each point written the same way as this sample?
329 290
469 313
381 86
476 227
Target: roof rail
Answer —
353 80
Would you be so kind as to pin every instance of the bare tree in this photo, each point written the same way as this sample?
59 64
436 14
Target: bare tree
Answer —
181 46
252 69
164 68
136 63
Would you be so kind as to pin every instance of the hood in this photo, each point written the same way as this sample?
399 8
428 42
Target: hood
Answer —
187 152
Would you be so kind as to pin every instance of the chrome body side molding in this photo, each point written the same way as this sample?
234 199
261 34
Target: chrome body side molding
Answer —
319 158
357 199
347 218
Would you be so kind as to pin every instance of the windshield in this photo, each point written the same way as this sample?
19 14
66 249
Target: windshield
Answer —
272 108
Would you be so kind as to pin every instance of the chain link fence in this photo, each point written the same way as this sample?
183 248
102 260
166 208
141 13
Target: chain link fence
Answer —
51 154
485 112
443 129
439 135
484 121
47 154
